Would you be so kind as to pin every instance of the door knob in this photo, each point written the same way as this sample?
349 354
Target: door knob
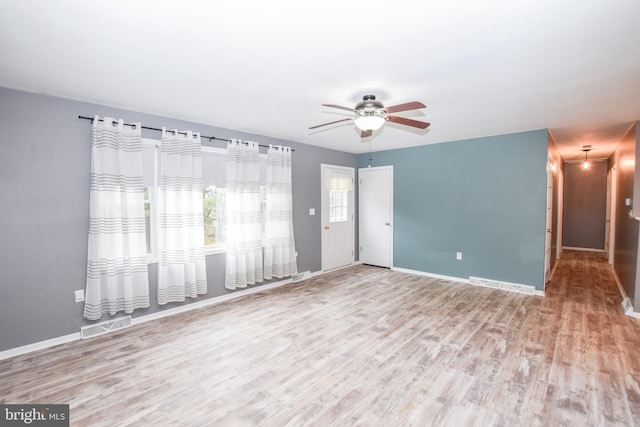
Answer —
386 223
326 227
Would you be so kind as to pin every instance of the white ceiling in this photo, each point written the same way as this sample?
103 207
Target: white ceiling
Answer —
482 68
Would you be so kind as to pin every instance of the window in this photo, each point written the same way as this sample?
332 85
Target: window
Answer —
213 199
339 187
213 195
338 205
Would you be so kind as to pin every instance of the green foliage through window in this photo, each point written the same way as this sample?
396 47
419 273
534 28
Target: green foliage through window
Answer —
213 202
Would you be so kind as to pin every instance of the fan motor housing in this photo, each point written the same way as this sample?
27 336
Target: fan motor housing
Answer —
369 106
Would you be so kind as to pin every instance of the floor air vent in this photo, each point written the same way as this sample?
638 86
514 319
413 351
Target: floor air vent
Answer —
105 327
506 286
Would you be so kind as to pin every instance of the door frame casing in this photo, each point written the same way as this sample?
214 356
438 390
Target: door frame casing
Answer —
612 189
548 237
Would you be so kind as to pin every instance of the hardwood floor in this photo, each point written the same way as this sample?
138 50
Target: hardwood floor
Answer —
360 346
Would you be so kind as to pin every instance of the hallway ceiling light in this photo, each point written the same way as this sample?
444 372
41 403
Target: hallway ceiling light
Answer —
586 149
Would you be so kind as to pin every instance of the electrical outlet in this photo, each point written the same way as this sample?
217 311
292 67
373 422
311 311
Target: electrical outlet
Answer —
79 295
459 256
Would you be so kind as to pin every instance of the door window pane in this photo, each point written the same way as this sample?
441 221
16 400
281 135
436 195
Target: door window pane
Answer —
338 206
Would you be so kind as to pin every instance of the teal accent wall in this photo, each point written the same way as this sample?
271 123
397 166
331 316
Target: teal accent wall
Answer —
484 197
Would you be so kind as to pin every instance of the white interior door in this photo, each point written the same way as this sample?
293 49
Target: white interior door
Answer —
607 227
337 206
549 225
375 215
560 204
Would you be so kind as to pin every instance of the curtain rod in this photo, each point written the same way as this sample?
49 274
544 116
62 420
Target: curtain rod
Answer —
184 133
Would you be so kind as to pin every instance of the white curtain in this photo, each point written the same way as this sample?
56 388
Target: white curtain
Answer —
181 269
244 215
117 278
279 249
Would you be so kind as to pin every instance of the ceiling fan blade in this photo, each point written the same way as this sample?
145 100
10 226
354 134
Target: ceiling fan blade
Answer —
338 106
330 123
408 122
366 133
405 107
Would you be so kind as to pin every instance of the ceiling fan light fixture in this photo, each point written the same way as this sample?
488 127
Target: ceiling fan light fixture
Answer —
369 122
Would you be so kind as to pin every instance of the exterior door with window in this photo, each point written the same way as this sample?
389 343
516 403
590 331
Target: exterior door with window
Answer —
337 208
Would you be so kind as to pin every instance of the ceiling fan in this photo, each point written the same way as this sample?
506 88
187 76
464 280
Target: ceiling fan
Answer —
370 115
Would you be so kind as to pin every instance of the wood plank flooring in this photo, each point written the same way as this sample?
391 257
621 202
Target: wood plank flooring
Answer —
360 346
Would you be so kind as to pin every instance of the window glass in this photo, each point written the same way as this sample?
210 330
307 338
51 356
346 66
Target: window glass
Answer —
340 183
213 194
338 205
213 200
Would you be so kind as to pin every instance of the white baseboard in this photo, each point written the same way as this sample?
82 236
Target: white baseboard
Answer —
571 248
434 275
12 352
41 345
627 306
476 281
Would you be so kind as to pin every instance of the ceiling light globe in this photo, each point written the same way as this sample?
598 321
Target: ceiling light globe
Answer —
369 122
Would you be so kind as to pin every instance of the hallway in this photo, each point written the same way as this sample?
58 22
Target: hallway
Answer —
596 354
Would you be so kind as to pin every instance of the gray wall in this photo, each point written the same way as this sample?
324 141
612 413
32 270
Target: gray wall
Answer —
585 205
484 197
625 259
44 210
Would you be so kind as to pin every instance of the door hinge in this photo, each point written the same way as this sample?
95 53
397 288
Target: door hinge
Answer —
352 253
360 180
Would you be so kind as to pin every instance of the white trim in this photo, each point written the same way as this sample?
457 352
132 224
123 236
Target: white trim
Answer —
627 306
571 248
41 345
553 271
434 275
475 281
337 268
77 336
